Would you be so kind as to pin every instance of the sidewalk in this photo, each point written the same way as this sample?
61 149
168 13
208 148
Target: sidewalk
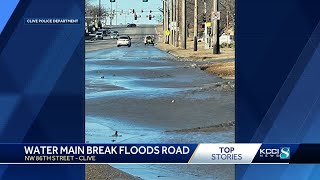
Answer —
222 65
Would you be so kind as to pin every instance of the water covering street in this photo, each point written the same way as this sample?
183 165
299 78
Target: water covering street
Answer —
147 96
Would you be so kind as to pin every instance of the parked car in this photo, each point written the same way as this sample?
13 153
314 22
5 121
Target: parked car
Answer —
124 41
99 35
132 25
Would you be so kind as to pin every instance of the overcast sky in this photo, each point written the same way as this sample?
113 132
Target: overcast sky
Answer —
137 5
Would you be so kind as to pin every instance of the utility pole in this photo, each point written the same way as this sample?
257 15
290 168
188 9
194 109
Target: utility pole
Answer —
171 22
206 38
183 43
215 27
163 17
177 24
195 25
166 27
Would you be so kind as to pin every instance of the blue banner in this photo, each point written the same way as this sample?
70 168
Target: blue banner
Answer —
95 153
254 153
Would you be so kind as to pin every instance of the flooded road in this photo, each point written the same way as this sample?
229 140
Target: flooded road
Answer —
146 96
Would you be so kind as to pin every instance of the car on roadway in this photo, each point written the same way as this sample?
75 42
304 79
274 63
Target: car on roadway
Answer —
104 32
114 35
99 35
148 40
124 41
132 25
108 30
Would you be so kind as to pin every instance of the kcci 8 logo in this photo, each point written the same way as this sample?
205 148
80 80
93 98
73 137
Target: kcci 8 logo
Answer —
282 153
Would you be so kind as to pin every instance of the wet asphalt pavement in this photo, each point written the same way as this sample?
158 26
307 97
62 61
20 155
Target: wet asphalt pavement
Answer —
142 93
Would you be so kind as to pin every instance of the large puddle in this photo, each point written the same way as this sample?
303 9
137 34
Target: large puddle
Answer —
100 130
135 79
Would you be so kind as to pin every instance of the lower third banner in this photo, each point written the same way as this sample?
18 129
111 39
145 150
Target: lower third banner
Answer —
159 153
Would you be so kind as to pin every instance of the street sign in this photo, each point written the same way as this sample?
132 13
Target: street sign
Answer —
173 25
167 32
216 15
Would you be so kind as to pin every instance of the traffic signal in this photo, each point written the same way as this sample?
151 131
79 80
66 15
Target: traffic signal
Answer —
132 10
204 18
112 0
144 0
141 11
150 17
135 17
150 11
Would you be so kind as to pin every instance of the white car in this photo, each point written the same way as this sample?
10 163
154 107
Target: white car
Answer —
124 41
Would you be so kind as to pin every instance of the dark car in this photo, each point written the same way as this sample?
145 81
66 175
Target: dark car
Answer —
114 35
132 25
115 32
104 32
108 31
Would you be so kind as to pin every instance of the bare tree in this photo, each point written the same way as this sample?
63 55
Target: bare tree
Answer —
93 10
226 8
92 13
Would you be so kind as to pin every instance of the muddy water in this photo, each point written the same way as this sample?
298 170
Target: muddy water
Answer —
140 94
